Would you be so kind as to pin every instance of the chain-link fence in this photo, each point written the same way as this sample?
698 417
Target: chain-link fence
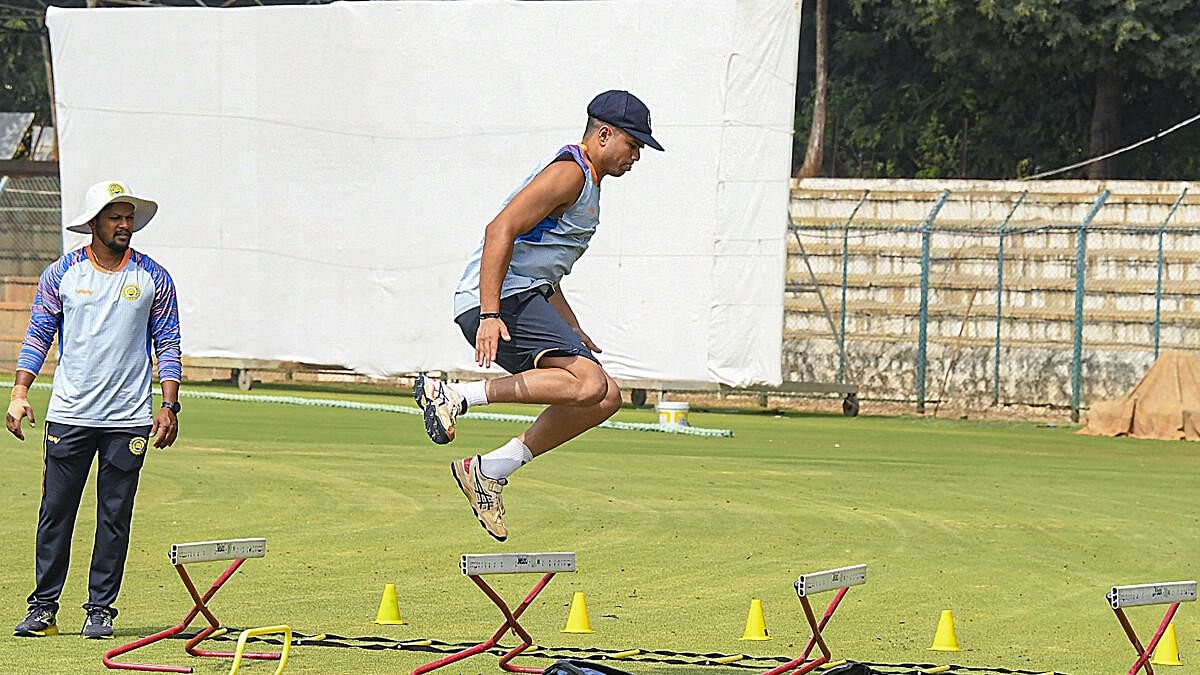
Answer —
30 224
1052 294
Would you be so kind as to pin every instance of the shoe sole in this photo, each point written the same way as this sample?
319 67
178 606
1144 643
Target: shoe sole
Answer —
433 426
52 630
454 472
97 637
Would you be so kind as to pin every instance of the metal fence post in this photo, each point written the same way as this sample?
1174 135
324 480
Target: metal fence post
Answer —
1080 273
1158 287
845 263
923 328
1000 299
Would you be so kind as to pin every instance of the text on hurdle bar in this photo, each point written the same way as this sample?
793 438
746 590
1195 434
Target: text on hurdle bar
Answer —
474 564
226 549
1152 594
828 580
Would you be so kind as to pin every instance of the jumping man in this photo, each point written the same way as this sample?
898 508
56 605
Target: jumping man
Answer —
510 307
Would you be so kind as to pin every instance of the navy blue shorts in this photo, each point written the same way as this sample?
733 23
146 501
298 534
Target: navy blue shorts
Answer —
536 328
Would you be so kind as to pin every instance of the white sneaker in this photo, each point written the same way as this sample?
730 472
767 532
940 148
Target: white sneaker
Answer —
441 405
484 495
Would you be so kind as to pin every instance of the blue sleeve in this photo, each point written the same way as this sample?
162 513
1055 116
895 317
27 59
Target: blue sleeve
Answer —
45 316
164 323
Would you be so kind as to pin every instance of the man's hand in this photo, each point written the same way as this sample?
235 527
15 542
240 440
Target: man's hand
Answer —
587 341
165 429
487 340
18 408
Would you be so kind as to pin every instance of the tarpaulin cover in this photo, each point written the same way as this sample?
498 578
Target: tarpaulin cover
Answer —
323 172
1165 404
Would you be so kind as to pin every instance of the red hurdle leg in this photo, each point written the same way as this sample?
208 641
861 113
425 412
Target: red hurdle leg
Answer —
214 624
815 640
1144 654
510 622
197 607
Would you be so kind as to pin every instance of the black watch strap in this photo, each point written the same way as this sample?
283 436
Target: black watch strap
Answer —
173 405
489 315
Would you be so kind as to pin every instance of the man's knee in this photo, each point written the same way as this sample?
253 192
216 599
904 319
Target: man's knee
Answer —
612 400
593 388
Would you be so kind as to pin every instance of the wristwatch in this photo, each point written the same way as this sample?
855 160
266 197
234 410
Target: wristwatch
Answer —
173 405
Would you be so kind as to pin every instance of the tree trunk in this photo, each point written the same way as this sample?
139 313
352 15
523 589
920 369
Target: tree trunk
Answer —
814 155
1106 124
46 62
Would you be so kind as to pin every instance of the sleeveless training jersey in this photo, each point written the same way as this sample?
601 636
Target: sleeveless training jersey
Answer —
545 254
106 323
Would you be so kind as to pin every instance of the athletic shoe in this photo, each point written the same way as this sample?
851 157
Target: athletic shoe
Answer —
484 495
39 623
98 624
441 406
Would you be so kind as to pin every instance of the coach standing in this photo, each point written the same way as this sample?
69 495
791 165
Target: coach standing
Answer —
108 304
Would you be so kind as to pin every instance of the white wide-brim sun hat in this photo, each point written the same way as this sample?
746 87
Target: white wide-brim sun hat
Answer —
107 192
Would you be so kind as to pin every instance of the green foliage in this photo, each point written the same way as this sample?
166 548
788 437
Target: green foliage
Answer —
1002 89
22 69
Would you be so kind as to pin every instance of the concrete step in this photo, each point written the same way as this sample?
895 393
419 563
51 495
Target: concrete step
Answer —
14 319
826 247
797 275
800 339
18 289
810 304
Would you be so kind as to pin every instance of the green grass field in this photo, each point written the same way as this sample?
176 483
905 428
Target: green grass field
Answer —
1019 530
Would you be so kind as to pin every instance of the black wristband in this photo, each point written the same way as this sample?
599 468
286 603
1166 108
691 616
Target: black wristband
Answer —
489 315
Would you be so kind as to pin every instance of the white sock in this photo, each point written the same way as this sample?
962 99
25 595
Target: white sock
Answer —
503 461
474 392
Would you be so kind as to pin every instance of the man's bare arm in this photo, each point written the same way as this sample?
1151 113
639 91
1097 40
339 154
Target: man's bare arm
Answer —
550 193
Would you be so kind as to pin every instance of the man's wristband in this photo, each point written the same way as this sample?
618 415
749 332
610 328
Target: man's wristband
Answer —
489 315
19 391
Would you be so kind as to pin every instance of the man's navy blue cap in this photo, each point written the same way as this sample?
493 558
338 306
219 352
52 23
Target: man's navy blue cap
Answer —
625 111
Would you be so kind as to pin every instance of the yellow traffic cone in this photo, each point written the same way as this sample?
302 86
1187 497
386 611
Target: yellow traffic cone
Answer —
389 609
1167 651
756 623
577 618
945 640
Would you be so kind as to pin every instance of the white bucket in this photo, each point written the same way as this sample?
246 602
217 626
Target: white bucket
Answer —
672 413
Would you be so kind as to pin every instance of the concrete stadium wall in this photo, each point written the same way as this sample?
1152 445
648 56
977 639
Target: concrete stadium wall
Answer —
883 286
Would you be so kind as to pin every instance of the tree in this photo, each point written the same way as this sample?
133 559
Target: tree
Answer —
1108 46
22 68
814 155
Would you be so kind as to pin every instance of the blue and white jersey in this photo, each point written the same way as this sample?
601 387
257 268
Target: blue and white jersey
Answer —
107 322
545 254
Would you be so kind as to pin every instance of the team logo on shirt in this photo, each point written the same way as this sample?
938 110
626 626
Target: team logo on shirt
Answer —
137 445
115 189
131 292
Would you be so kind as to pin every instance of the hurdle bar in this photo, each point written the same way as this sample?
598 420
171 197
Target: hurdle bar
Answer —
1170 593
474 567
237 550
841 580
